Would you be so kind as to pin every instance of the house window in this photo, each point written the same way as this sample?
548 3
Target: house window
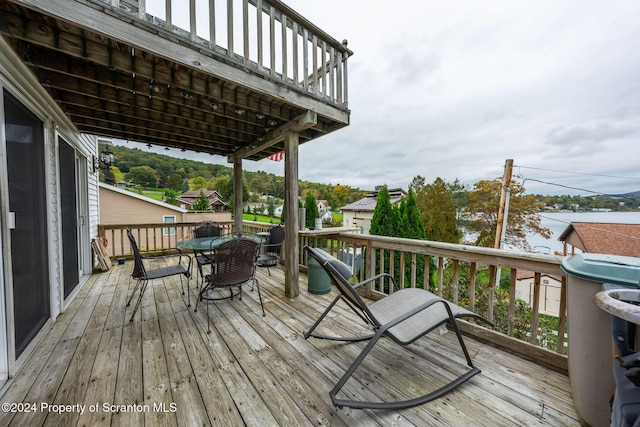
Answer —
169 231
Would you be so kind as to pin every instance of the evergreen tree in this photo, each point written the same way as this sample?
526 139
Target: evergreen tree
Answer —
311 209
385 217
201 203
414 226
171 197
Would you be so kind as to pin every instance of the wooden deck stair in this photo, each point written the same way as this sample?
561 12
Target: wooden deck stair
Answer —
251 370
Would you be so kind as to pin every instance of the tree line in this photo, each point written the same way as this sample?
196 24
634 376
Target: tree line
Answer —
176 176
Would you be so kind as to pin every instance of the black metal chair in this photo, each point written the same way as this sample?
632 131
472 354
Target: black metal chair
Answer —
404 316
233 265
203 258
142 275
271 249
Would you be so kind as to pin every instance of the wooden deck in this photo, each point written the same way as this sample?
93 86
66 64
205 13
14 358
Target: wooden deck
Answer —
164 369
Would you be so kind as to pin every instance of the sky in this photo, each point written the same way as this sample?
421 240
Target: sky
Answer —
452 89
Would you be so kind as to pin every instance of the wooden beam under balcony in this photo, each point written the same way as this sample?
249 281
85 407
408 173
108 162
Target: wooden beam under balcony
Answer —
118 72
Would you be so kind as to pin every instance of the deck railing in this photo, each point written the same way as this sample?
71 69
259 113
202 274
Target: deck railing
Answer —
265 35
465 275
159 236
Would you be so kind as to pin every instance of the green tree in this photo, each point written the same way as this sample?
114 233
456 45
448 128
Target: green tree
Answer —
271 208
224 186
339 196
118 176
311 209
201 203
174 182
198 183
437 209
522 218
143 175
171 197
413 225
385 217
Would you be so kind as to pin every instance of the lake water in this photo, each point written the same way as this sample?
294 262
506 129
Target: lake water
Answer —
558 222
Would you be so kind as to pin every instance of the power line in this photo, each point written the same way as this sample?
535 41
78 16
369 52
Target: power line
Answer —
578 173
574 188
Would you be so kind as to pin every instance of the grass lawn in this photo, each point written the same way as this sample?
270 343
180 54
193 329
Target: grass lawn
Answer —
156 195
260 218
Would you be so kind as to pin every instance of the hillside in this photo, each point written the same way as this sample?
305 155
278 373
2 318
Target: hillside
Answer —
164 171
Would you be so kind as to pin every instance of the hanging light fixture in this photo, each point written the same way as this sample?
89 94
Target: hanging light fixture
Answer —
106 158
104 163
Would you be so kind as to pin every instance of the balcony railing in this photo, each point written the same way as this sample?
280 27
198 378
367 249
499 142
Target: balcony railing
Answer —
263 35
465 275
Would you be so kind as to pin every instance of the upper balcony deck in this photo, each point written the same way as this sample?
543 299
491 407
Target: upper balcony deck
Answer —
223 77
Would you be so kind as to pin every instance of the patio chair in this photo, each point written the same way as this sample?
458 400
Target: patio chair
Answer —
142 275
404 316
202 258
271 250
233 265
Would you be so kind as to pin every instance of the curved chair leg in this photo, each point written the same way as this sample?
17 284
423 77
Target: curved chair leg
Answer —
339 403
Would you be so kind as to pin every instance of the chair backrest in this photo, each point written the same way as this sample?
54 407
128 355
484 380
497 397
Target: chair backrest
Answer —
340 273
276 238
234 261
138 267
207 229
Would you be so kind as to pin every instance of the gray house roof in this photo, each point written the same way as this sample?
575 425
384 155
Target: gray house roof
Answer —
369 202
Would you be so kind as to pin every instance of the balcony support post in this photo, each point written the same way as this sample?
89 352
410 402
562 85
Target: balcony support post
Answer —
291 247
237 193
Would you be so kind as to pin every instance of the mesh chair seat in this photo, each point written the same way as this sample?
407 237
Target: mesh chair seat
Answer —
391 307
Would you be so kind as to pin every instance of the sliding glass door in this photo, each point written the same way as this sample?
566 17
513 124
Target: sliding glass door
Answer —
69 215
28 221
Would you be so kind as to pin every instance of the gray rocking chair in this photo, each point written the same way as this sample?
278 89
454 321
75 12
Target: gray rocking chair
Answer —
404 316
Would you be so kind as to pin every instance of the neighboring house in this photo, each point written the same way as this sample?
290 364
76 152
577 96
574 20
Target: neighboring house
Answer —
119 206
259 208
327 217
359 214
323 206
216 203
550 290
602 238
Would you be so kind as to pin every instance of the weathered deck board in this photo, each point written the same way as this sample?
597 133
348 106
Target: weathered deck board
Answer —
255 370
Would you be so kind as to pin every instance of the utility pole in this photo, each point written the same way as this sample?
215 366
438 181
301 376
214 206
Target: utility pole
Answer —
504 204
501 228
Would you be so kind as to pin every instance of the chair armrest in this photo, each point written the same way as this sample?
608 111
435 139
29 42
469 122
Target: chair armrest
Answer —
374 278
